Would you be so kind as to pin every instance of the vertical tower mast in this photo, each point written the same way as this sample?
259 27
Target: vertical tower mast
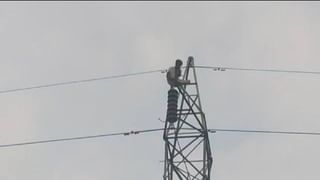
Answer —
187 148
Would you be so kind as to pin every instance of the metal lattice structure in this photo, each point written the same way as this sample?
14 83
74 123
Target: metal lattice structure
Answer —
187 148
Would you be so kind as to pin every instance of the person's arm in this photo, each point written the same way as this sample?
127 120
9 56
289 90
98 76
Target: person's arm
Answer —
177 72
172 73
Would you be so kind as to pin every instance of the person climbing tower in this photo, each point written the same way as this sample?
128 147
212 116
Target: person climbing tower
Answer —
174 73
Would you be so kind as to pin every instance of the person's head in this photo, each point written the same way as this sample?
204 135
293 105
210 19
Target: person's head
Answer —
178 63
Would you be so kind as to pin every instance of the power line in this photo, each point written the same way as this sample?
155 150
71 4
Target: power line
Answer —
80 137
263 131
155 130
215 68
221 68
78 81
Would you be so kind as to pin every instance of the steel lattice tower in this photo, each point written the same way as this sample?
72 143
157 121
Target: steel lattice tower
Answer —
187 148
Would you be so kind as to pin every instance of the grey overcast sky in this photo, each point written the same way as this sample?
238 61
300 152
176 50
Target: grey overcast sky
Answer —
47 42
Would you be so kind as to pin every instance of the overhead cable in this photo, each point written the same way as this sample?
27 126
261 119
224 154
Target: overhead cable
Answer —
80 137
215 68
155 130
263 131
78 81
221 68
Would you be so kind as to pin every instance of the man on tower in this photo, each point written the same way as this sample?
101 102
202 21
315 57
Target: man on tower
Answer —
173 75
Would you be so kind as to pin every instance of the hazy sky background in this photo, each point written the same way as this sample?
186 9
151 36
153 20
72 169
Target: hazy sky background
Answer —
47 42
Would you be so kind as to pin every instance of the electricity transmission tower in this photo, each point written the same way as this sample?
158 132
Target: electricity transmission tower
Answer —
187 148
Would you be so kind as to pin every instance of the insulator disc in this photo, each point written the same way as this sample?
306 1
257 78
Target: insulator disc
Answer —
173 96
